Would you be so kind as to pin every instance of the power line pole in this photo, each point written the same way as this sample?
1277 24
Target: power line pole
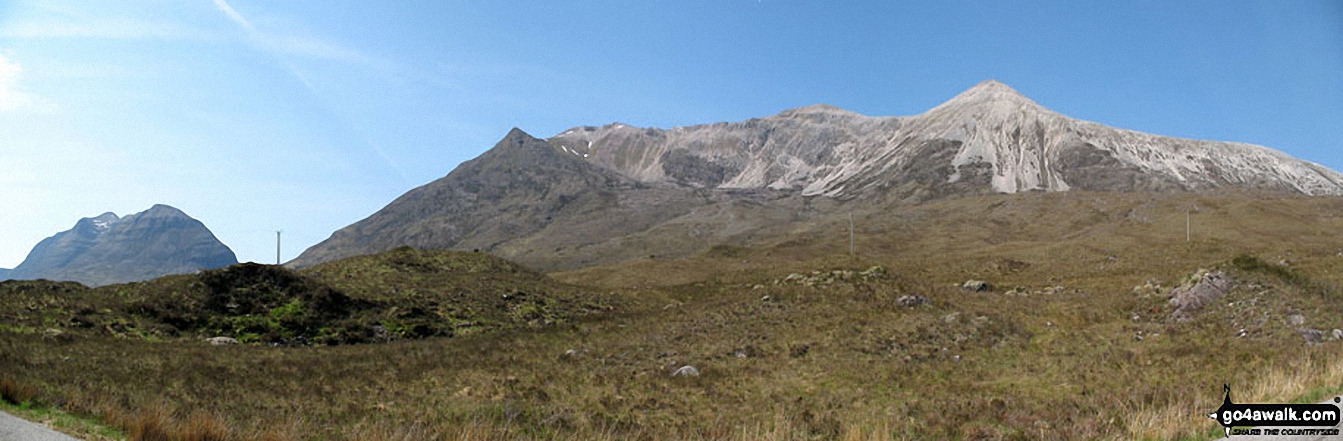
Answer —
850 233
277 247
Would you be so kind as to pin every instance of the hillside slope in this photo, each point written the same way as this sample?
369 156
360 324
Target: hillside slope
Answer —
528 201
401 294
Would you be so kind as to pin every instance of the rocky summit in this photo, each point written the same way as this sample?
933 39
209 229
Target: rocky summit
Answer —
990 137
109 249
594 195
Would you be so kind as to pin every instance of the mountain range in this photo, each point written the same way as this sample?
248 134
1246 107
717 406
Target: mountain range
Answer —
109 249
599 194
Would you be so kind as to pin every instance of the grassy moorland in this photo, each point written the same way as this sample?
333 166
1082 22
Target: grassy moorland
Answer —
793 338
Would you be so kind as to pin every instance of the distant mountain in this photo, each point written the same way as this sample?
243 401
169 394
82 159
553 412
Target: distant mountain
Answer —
4 274
596 194
108 249
989 138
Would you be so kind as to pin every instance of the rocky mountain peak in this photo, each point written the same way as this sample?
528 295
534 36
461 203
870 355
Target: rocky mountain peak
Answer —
97 224
520 149
162 211
515 137
990 97
993 90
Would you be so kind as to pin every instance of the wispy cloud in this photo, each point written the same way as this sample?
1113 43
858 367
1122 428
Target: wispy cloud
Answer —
234 15
11 99
294 45
309 47
284 47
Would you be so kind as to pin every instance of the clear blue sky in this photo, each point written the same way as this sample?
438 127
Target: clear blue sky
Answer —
307 116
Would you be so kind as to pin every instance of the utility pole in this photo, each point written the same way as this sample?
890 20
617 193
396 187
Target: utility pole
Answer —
850 233
277 247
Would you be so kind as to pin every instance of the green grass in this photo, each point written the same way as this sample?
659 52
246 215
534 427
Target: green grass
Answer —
82 427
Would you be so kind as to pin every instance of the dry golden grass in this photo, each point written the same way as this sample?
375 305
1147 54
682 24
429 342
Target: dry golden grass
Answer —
16 393
835 360
1302 379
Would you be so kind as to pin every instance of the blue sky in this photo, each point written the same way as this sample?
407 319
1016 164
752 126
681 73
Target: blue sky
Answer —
306 116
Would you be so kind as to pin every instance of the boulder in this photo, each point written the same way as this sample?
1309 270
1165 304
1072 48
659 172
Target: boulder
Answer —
1203 289
909 301
222 341
1313 336
976 286
686 371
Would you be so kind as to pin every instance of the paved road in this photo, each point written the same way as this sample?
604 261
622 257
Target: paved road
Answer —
13 428
1290 438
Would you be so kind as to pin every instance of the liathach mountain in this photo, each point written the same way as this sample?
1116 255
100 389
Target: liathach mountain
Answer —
109 249
599 194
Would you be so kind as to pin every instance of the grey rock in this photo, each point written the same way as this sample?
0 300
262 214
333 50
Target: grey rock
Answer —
686 371
1313 336
910 301
1338 334
873 272
1296 319
222 341
976 286
1191 297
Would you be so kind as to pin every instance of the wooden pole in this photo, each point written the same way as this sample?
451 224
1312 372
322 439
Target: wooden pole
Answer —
850 233
277 247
